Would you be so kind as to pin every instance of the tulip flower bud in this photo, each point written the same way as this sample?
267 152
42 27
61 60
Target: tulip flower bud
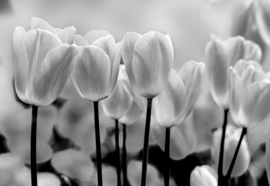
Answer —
148 59
232 137
66 35
249 93
176 101
203 176
119 101
133 113
42 65
96 71
220 56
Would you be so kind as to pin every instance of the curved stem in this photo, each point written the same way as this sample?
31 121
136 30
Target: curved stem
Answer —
167 157
146 141
117 150
228 175
33 146
221 151
98 146
124 156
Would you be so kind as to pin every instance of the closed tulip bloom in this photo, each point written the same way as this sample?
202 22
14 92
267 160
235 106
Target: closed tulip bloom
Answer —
203 176
66 35
249 96
96 71
148 59
220 56
117 104
231 140
42 65
176 101
134 112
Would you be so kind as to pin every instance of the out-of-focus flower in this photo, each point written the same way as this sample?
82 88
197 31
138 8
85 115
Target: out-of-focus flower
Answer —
176 101
262 16
74 164
183 139
148 59
42 65
134 112
109 177
48 179
231 140
118 103
203 176
249 93
96 71
220 56
66 35
153 179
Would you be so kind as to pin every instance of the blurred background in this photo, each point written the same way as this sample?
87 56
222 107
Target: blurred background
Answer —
190 24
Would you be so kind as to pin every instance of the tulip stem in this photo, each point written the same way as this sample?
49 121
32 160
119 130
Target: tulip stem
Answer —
118 168
124 156
228 175
98 146
167 157
146 141
221 151
33 146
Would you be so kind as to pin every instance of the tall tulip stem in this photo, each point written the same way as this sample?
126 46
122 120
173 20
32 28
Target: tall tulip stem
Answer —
33 146
124 156
167 157
146 141
221 152
117 150
98 146
228 175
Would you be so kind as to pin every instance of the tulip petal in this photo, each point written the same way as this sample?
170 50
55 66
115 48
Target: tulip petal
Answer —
42 24
132 115
236 92
170 103
21 61
91 73
218 66
67 35
129 41
242 65
235 48
191 74
151 64
252 51
117 103
256 102
54 72
262 16
93 35
80 41
251 75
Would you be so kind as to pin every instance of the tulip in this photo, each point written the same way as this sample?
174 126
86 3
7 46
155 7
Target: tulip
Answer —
66 35
203 176
220 56
115 106
249 93
262 16
148 59
231 140
95 74
40 57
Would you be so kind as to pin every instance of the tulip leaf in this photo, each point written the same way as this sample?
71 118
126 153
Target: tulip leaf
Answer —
24 105
59 103
60 143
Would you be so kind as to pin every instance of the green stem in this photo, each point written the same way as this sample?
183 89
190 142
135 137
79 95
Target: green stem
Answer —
33 145
146 142
221 151
118 168
167 157
98 146
228 175
124 156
